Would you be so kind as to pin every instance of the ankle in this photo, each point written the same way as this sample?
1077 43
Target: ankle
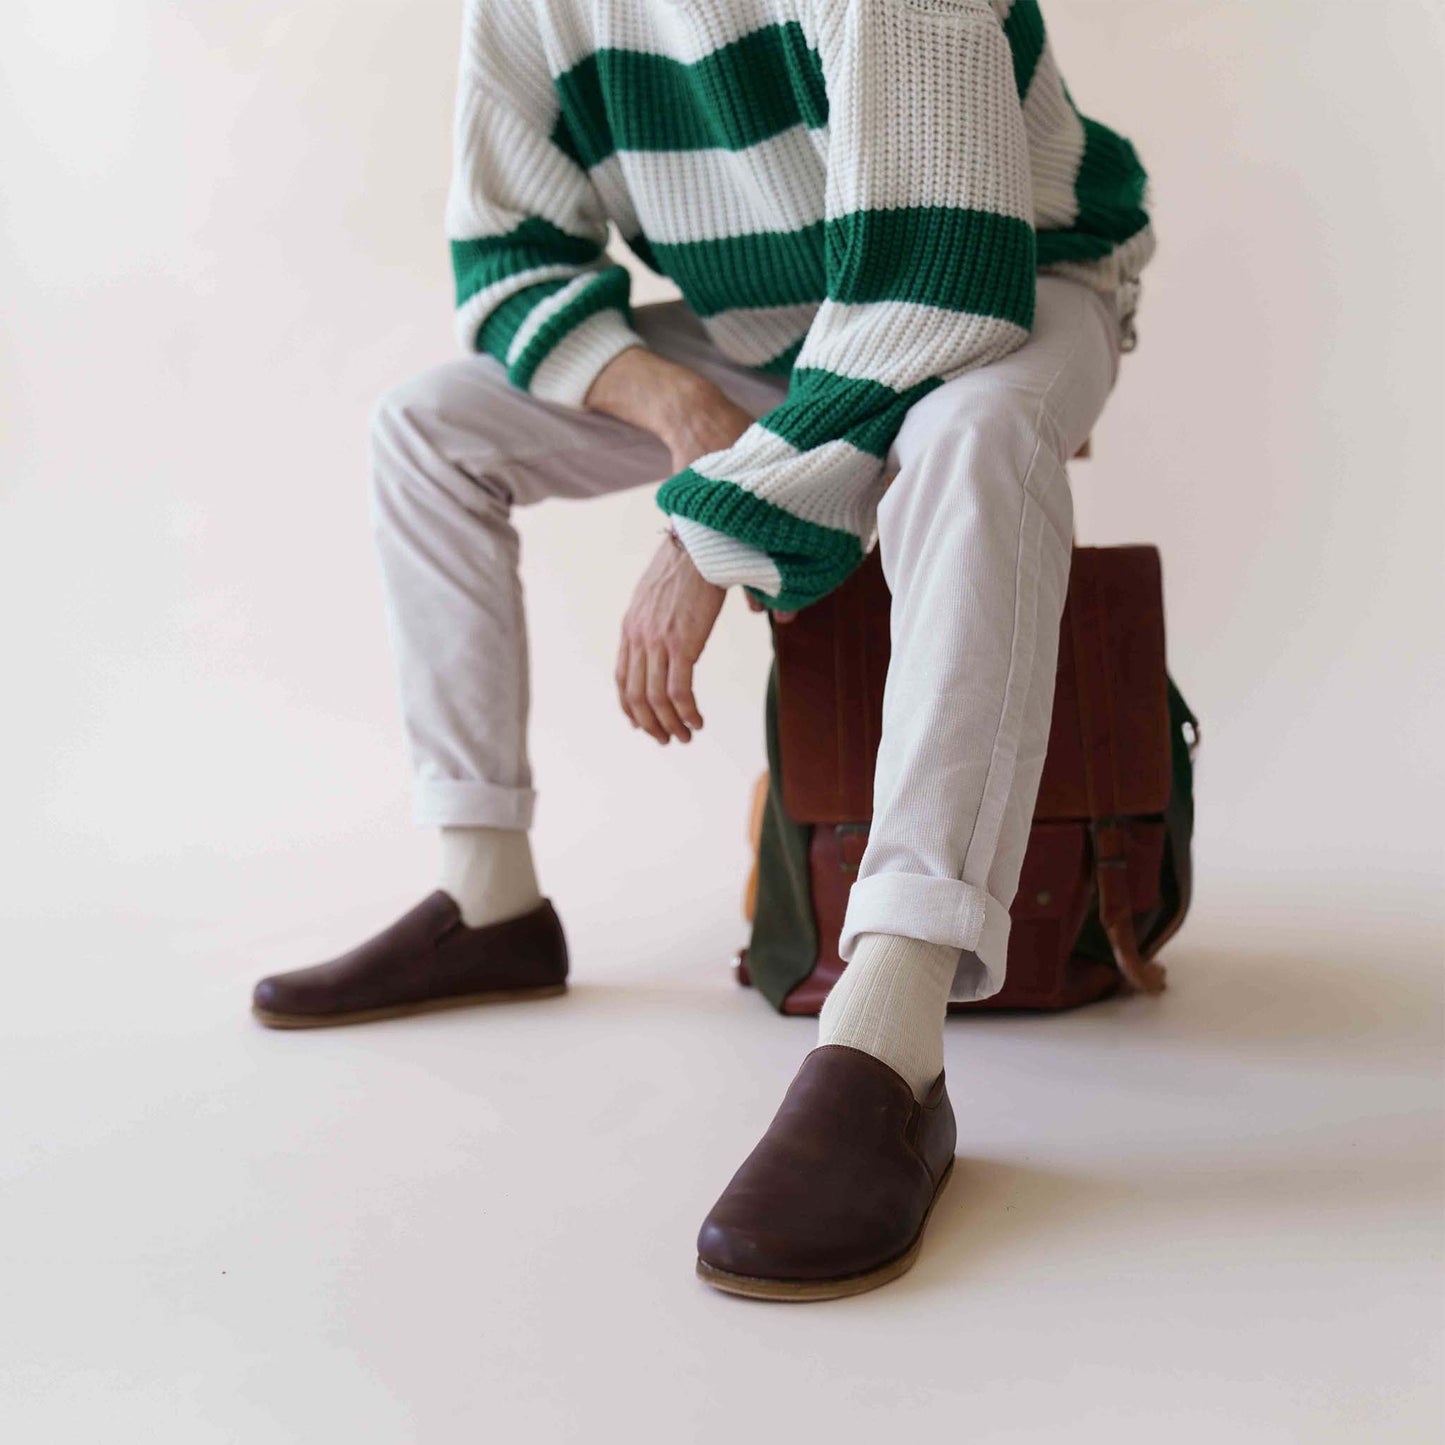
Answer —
489 872
891 1002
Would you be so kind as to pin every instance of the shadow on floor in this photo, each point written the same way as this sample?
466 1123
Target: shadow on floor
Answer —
998 1212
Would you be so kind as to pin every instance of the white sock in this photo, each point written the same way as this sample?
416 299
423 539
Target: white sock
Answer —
891 1002
489 872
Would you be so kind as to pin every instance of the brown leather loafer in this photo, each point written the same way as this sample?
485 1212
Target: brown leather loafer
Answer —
427 959
835 1197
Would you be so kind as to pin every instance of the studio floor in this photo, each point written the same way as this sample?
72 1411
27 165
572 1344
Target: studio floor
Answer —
1215 1215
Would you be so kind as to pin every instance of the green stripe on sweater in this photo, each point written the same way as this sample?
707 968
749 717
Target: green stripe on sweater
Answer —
973 261
506 318
732 98
1109 190
821 407
970 261
1025 31
1110 187
609 289
479 263
811 560
767 268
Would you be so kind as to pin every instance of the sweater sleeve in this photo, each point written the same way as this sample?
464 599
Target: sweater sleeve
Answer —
930 271
528 233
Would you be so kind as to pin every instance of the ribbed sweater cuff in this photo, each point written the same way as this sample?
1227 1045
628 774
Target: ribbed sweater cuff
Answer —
724 560
565 375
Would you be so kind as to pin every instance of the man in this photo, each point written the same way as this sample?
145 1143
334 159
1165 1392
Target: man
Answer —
903 254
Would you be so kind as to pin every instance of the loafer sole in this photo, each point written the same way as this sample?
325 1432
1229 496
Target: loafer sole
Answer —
800 1291
274 1020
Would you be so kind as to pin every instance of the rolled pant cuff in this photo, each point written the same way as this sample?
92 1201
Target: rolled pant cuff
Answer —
471 803
936 910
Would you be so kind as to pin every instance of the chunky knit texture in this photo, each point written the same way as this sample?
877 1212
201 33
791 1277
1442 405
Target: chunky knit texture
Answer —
855 194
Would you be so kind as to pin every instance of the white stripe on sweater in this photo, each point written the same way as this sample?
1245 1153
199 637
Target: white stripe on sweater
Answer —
685 30
701 195
835 485
548 307
725 561
871 341
507 173
567 372
1056 146
502 53
974 151
754 335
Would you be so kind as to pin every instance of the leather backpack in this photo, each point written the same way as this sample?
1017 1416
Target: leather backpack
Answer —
1106 878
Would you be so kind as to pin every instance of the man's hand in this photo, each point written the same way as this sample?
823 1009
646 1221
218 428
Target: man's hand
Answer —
674 607
666 628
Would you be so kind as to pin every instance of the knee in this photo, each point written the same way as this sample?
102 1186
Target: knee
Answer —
426 436
981 447
996 417
984 426
402 423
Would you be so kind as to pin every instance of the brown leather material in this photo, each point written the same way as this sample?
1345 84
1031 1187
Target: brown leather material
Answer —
1056 886
1100 650
833 662
1111 669
427 956
841 1183
1098 834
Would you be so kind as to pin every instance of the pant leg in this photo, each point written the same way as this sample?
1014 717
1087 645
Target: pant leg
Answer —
452 451
976 532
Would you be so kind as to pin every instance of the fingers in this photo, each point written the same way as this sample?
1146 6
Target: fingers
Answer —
620 675
635 701
658 698
679 690
672 615
654 689
644 678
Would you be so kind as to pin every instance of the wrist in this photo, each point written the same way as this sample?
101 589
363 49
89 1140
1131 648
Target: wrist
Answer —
650 392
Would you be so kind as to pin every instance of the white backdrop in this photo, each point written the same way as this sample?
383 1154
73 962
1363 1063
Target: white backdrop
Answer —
222 240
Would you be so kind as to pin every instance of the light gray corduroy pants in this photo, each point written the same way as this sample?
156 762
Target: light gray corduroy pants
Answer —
975 532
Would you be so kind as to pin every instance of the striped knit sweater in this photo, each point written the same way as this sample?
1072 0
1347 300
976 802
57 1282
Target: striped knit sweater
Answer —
856 195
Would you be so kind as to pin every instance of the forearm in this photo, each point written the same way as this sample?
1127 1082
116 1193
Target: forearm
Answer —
649 391
693 417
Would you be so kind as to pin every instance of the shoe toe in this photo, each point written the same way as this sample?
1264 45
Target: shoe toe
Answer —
800 1248
281 995
725 1246
266 996
302 991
